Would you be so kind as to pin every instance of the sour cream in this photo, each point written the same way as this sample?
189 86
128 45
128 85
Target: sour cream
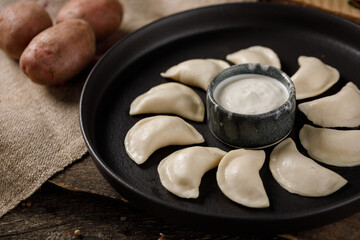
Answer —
250 94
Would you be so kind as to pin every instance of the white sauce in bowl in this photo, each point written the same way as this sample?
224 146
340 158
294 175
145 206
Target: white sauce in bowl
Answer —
250 94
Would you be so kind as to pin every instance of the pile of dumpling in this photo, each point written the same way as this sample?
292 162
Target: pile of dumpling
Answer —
238 170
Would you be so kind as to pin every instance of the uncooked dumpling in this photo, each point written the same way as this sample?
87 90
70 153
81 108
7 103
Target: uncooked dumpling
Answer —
196 72
255 54
170 98
313 77
181 172
152 133
339 110
301 175
238 177
334 147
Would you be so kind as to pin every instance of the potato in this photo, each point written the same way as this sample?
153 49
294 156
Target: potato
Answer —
19 23
104 16
59 53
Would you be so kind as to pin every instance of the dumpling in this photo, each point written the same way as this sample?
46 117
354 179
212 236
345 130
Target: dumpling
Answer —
255 54
152 133
339 110
238 177
334 147
301 175
196 72
172 98
313 77
181 172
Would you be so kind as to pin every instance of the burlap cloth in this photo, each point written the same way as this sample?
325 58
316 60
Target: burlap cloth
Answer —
39 126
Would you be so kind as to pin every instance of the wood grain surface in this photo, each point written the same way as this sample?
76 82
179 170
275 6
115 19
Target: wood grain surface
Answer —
56 213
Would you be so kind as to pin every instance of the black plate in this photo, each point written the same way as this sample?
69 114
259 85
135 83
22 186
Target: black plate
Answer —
133 66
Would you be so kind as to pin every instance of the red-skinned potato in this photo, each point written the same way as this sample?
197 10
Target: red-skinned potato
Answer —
59 53
104 16
20 22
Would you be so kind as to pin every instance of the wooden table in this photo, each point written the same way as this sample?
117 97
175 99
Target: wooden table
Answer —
56 213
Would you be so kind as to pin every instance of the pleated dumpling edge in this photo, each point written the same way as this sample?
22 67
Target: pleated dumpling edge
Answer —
170 98
152 133
196 72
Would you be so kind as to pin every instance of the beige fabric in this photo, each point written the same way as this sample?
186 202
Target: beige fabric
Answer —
39 126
